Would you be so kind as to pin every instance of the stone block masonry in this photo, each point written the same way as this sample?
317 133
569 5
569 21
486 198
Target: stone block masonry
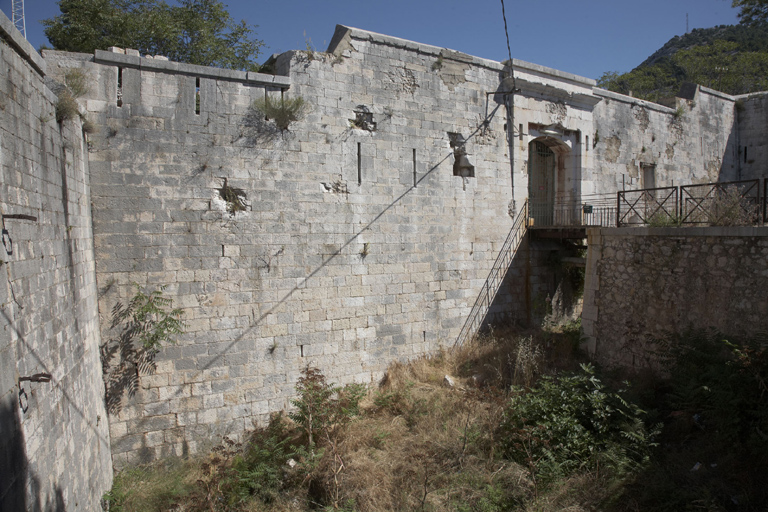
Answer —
358 234
361 233
357 244
54 438
642 283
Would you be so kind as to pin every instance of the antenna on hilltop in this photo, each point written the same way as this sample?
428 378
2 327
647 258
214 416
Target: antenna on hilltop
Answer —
686 23
18 17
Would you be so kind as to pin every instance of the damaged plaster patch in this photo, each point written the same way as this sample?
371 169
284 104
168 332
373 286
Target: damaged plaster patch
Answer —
402 80
558 110
713 169
450 71
641 114
363 119
337 187
612 148
670 151
233 198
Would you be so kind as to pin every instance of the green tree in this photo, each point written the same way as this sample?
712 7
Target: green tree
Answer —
752 12
722 66
195 31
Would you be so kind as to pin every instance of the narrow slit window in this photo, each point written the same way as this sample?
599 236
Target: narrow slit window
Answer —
197 96
301 350
119 87
359 165
414 169
520 131
587 142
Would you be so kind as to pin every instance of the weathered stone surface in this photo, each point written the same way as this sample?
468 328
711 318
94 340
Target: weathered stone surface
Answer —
644 283
54 442
354 243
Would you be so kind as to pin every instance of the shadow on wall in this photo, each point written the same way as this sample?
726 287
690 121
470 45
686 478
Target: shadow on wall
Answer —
539 287
13 460
253 123
732 163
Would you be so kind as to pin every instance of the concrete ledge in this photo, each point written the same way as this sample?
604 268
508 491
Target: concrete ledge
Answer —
718 231
629 99
167 66
426 49
719 94
555 73
119 59
751 95
10 33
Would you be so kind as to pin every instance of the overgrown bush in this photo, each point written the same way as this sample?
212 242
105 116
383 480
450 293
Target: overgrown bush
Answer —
322 407
721 383
260 470
714 403
283 112
572 423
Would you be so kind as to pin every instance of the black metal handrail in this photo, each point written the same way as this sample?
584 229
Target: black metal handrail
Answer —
570 214
495 277
723 203
646 206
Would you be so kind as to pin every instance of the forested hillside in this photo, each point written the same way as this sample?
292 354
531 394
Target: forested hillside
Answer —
729 58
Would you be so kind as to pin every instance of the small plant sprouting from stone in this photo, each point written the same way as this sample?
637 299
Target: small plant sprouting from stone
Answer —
310 47
141 328
438 64
75 86
282 112
234 197
679 112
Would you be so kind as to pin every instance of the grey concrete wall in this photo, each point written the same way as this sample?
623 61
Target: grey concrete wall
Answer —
54 439
644 282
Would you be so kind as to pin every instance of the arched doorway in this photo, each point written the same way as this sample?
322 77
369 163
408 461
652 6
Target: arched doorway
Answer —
541 183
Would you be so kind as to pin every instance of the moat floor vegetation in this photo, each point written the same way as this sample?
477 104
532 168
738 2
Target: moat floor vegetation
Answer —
524 424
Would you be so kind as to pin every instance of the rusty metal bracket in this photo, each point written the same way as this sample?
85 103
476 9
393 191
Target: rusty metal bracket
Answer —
38 377
7 242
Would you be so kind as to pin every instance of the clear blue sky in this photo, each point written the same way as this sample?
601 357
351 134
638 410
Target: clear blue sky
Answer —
585 37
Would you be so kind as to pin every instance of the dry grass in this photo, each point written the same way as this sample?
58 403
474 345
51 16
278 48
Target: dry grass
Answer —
421 444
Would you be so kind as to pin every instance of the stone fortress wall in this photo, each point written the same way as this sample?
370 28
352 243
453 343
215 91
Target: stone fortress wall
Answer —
54 436
370 224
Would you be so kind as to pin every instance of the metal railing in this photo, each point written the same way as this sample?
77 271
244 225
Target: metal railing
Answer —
570 214
731 203
495 278
646 206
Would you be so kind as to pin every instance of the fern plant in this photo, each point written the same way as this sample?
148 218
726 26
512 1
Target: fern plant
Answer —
142 326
